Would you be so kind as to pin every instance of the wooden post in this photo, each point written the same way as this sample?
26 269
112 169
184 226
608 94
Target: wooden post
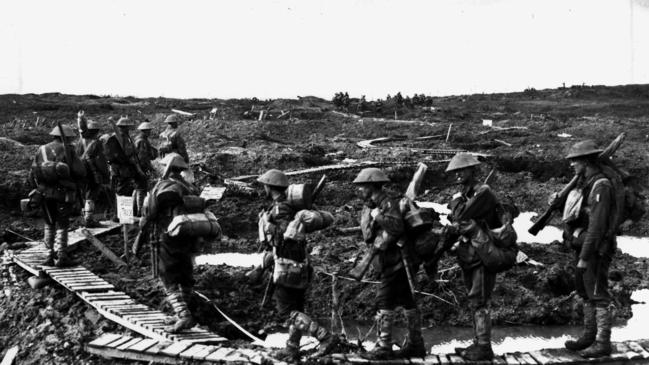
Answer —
448 134
105 250
125 234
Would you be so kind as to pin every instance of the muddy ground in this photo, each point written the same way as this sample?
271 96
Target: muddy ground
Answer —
51 325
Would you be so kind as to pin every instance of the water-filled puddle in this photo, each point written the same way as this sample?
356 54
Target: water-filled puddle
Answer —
231 259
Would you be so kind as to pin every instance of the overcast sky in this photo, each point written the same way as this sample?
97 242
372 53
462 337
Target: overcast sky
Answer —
280 48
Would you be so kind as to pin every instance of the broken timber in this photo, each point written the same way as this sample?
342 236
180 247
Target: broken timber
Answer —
101 247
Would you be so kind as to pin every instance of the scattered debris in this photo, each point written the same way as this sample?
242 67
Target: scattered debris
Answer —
502 142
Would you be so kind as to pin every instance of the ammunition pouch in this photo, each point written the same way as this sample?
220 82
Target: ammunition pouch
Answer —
291 274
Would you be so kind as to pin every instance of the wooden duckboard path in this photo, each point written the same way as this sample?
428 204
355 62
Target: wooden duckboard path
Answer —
114 305
164 352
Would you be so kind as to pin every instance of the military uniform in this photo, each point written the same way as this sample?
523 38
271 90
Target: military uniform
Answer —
146 153
175 258
90 151
172 141
592 236
382 226
290 287
58 191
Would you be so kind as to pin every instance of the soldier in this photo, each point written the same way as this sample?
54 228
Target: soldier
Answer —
175 260
56 171
125 169
90 151
290 288
172 141
382 226
475 202
591 233
146 153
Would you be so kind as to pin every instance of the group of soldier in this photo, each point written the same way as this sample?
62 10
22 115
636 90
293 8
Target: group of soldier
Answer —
126 164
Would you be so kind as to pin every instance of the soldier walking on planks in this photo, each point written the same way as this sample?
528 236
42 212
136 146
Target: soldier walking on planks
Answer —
292 271
382 227
125 169
56 171
146 153
475 204
172 141
591 229
90 151
170 197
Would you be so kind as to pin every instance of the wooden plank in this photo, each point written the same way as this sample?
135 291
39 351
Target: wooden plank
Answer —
122 340
176 348
624 350
112 303
157 347
212 340
431 359
639 349
130 343
499 360
564 356
102 248
143 345
541 358
98 295
236 356
219 354
443 359
525 358
97 287
146 316
644 344
104 339
207 349
10 356
254 357
455 359
511 359
191 351
64 270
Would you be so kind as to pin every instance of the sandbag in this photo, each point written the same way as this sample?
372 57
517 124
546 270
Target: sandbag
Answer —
194 225
314 220
291 274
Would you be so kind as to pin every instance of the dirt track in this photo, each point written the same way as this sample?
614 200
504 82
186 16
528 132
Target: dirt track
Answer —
312 132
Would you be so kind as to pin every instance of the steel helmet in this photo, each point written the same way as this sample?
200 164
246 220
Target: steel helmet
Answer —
274 177
583 148
173 118
174 160
145 126
93 125
67 130
462 160
371 175
125 122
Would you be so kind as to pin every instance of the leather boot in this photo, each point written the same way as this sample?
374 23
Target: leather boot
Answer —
304 323
88 214
187 293
590 330
383 348
461 350
414 345
290 353
602 345
61 242
185 319
482 350
48 240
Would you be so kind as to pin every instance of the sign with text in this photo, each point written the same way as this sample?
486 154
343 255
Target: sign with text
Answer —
213 192
125 209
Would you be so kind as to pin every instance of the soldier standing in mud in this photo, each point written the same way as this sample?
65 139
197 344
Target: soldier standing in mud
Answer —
290 287
382 226
90 151
125 170
175 260
475 202
591 233
146 153
172 141
56 170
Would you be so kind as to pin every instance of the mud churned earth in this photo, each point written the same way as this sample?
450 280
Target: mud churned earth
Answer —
525 147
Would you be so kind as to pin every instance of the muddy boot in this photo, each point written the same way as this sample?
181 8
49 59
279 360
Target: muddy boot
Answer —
61 241
414 346
461 350
305 324
188 294
590 330
88 214
383 348
482 350
602 345
185 319
290 353
48 240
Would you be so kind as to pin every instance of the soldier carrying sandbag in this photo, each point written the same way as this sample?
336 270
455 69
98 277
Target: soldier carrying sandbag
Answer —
383 229
178 223
90 151
292 271
57 172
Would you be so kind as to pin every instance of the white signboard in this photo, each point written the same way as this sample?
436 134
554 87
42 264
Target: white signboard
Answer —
213 192
125 209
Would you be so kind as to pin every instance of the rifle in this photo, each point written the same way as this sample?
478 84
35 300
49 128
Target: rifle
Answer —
560 200
118 136
68 156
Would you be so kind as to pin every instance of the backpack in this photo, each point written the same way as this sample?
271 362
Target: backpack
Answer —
497 247
420 224
629 203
